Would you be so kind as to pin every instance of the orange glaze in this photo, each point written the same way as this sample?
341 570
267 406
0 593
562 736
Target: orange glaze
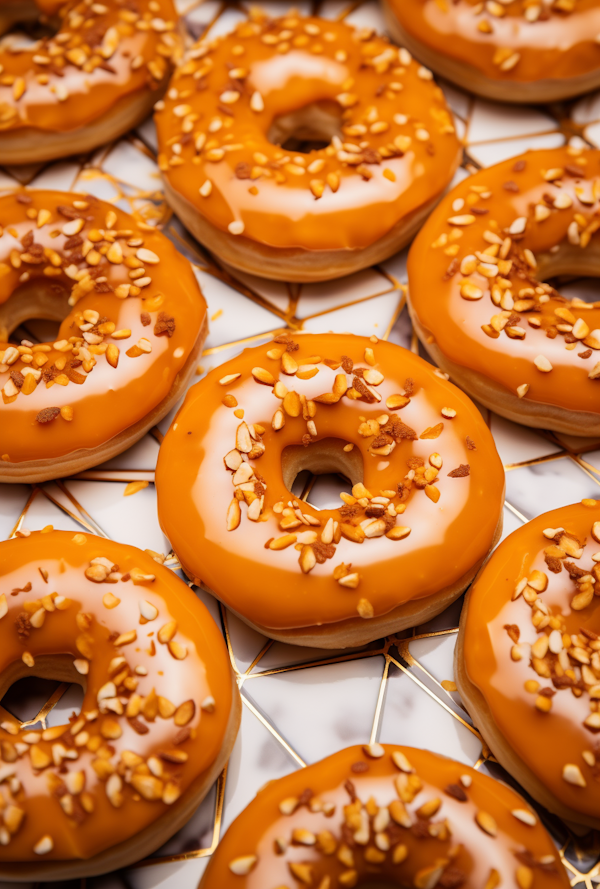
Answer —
86 620
455 323
96 57
558 44
382 812
403 150
489 654
103 399
277 588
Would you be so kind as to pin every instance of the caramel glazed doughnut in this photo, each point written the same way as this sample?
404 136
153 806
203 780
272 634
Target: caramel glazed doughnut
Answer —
527 659
127 344
478 302
96 78
382 812
237 102
426 504
509 50
158 720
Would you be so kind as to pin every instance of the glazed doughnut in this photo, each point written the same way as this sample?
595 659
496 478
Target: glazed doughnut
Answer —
158 720
238 102
512 50
426 503
98 76
477 297
382 812
127 344
527 663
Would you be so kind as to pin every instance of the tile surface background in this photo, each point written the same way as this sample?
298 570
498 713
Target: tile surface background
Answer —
301 704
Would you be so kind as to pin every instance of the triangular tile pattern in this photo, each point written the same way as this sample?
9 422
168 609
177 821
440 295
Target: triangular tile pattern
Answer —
300 705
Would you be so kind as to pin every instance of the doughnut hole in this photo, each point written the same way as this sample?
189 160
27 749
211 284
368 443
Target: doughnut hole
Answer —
321 471
307 129
23 23
28 693
37 308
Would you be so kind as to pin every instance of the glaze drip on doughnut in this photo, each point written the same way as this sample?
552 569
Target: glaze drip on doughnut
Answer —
427 495
532 648
404 816
158 694
100 53
127 336
395 152
476 274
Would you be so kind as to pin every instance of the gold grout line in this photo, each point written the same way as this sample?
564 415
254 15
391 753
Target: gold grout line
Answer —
503 139
412 661
80 521
354 302
535 461
34 493
248 339
449 632
271 728
586 465
340 659
81 509
376 726
157 434
431 694
399 309
226 633
268 644
574 459
48 706
516 512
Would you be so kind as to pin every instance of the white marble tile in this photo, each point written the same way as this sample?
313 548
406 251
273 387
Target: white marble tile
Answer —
226 21
275 292
436 655
245 642
227 323
42 512
490 120
488 153
182 874
147 133
327 295
334 9
60 176
143 455
412 717
132 519
257 757
91 181
130 165
587 109
459 101
537 489
321 709
516 443
367 15
592 457
368 318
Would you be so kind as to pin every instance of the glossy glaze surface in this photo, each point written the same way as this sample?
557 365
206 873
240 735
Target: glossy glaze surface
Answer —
406 816
541 681
42 262
514 41
154 713
475 271
286 566
395 148
99 53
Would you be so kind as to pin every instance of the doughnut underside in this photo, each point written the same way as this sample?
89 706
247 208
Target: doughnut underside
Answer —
34 471
481 714
29 145
501 401
293 264
148 840
472 80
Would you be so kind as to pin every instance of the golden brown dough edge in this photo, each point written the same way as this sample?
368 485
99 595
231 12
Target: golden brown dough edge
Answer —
29 145
148 840
473 81
483 719
294 264
498 399
357 632
33 471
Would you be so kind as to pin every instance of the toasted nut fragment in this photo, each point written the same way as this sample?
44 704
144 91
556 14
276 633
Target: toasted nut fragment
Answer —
307 559
234 515
292 404
572 775
278 421
263 376
184 713
242 865
398 533
44 845
148 786
486 823
167 632
288 805
524 877
351 581
526 816
177 650
288 365
283 542
538 581
374 750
